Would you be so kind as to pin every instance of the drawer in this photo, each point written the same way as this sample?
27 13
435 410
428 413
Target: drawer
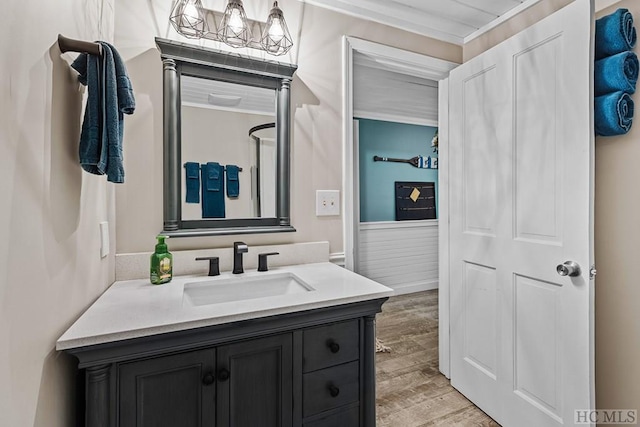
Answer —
346 418
330 388
330 345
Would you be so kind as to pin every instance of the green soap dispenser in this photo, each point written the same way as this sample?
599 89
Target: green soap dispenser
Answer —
161 263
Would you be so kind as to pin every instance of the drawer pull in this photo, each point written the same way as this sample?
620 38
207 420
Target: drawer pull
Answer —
223 375
333 346
208 379
333 390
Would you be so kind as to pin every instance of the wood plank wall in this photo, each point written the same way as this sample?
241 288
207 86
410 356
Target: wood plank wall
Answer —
402 255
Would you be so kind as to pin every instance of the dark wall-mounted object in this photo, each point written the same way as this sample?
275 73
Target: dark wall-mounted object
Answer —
71 45
417 161
180 59
415 200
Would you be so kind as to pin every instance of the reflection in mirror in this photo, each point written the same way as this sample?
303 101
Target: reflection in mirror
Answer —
264 143
222 174
228 142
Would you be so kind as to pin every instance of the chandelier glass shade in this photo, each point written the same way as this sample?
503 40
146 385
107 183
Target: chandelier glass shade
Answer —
276 38
189 18
234 29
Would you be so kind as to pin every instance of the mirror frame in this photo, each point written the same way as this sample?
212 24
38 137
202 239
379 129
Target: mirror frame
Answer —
181 58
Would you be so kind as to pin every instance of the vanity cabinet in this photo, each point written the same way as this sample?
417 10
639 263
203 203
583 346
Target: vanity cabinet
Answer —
254 383
249 385
312 368
175 390
331 372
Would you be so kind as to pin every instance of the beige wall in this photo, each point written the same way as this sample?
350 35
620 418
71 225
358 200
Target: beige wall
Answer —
317 147
617 238
50 265
617 254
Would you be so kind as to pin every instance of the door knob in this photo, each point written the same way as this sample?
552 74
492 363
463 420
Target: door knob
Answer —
569 268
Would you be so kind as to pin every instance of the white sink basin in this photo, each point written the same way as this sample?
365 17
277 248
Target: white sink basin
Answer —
241 288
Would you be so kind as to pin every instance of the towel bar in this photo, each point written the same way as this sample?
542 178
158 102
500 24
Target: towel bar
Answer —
71 45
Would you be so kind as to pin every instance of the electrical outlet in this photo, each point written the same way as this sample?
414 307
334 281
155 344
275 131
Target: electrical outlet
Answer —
104 239
327 202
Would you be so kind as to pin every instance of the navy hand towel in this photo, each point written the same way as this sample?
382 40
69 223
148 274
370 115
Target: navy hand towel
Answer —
213 180
92 150
212 191
118 100
192 175
615 33
110 96
616 73
613 114
126 100
233 181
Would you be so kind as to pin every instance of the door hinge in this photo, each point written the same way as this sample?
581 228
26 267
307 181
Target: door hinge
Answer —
592 272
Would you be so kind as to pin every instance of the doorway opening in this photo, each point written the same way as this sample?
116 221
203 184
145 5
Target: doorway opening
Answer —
423 69
395 113
391 104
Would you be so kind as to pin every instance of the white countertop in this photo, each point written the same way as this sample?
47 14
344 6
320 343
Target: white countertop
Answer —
136 308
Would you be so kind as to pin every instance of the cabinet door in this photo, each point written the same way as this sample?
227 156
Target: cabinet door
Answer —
168 391
254 383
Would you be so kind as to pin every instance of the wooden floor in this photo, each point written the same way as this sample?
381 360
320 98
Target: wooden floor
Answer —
411 392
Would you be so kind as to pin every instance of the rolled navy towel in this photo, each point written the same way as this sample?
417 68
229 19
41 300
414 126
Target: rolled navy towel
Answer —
615 33
613 114
616 73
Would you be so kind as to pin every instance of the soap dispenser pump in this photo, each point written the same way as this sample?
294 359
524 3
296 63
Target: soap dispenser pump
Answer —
161 263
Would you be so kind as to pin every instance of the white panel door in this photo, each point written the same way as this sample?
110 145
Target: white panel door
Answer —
521 151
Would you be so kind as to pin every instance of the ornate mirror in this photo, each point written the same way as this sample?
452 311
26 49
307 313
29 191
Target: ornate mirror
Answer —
226 142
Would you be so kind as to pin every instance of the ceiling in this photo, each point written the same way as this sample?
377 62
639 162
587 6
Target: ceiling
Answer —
381 92
218 95
454 21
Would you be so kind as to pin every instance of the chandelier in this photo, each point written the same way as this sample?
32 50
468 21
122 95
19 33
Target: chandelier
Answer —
189 18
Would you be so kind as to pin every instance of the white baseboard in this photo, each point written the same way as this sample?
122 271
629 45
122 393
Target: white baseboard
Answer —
411 288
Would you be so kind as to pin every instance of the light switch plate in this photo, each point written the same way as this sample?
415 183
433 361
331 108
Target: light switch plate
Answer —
327 202
104 239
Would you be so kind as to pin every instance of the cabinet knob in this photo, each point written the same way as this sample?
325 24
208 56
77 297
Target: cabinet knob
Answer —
333 390
223 375
333 346
208 379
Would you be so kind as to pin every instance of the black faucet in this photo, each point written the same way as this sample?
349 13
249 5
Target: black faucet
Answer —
214 264
239 248
262 260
